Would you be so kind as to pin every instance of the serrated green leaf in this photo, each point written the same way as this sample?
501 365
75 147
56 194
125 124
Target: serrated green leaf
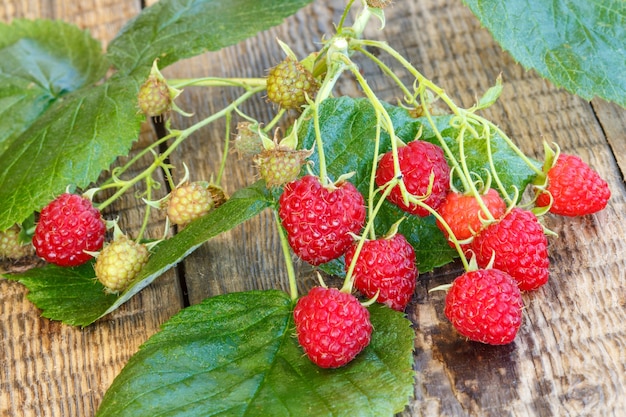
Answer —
348 128
236 355
70 144
71 295
74 296
175 29
578 45
40 61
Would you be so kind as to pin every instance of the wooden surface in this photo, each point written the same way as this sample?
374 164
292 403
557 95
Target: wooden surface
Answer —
570 356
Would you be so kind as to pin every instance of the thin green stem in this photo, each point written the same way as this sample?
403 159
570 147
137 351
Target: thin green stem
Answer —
349 280
284 244
220 172
246 83
344 16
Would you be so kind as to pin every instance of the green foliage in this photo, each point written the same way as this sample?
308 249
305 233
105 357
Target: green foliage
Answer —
74 296
69 144
578 45
58 128
177 29
348 127
236 355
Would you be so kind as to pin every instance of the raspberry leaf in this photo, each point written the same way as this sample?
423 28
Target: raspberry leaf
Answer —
196 26
40 62
348 127
576 45
68 145
75 297
236 354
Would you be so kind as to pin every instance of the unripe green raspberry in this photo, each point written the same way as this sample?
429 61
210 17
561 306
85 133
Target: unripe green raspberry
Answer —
289 83
154 97
189 202
280 166
119 263
11 246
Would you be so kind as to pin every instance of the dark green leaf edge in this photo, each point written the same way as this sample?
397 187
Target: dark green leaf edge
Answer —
50 286
171 374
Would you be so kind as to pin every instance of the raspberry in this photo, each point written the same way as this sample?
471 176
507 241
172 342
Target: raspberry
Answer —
280 166
575 187
154 97
385 266
332 326
67 227
189 202
485 306
11 246
463 213
319 220
289 83
120 262
418 160
520 246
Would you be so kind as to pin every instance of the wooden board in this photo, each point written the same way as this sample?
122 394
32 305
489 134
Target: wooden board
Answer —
569 358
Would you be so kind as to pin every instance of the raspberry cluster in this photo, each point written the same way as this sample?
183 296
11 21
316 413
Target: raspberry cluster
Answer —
508 246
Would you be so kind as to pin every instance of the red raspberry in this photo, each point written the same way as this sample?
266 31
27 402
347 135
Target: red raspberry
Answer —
575 187
463 214
520 246
332 326
386 265
418 160
69 226
485 306
319 220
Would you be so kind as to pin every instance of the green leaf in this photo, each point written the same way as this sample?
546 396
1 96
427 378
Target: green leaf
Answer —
175 29
40 61
236 355
74 296
71 295
348 127
578 45
70 144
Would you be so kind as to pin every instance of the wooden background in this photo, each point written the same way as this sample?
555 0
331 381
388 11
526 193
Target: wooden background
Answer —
569 358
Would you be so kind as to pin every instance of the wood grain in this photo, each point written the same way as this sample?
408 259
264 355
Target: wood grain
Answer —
569 358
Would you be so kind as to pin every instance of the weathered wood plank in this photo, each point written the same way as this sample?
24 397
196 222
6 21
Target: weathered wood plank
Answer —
51 369
569 357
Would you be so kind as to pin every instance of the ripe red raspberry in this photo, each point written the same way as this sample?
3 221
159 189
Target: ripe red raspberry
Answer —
69 226
385 266
319 220
119 262
485 306
418 160
332 326
289 83
520 246
575 187
463 213
189 202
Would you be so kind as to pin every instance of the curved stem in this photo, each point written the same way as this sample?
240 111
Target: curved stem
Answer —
246 83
